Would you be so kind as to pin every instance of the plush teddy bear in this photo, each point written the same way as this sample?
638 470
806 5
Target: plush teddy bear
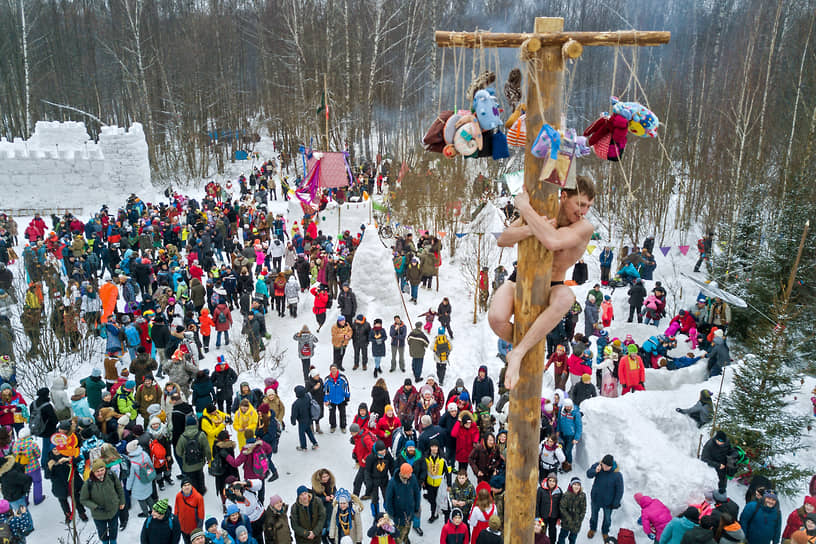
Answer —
487 110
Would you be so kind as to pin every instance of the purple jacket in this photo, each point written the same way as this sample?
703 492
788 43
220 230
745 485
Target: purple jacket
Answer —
253 460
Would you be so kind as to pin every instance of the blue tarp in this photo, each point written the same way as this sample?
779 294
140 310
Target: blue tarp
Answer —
241 155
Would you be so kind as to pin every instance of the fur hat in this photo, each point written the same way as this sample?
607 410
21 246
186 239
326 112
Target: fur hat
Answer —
406 470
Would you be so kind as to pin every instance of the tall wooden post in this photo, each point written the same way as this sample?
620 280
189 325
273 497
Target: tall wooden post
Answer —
544 93
546 47
478 277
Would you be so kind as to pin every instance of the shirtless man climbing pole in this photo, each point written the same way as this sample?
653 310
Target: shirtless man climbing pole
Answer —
567 237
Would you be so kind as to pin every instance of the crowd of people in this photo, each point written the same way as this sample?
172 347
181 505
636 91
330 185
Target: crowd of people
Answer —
155 281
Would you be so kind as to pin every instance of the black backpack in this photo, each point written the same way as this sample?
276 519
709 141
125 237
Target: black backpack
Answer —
217 467
36 423
193 453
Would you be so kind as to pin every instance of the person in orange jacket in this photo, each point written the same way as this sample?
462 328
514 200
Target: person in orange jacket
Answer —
631 372
189 508
205 325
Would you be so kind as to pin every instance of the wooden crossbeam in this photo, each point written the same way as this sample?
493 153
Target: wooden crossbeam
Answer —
549 46
508 39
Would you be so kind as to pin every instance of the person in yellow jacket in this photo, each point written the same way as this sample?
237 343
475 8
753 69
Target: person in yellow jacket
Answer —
245 419
437 469
213 421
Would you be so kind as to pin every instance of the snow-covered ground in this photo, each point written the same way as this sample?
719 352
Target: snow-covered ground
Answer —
654 446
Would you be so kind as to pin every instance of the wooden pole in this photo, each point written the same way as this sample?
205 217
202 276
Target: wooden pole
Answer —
544 94
326 105
512 39
478 277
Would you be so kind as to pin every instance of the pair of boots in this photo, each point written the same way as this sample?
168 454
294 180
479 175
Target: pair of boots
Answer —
166 479
317 427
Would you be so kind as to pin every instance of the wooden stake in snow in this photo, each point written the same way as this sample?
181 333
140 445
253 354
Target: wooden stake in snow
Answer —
546 49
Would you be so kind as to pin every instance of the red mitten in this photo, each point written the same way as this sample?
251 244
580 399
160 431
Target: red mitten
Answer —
597 130
618 126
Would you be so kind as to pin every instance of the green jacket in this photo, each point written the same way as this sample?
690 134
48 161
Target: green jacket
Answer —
307 518
103 498
124 404
189 434
573 510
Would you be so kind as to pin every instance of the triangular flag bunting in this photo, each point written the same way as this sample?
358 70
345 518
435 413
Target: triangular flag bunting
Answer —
665 250
441 233
460 234
591 248
684 249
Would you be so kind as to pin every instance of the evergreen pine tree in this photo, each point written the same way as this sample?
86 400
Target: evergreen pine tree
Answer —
755 413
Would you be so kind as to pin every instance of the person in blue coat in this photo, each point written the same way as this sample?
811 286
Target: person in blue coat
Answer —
606 264
402 501
570 427
606 495
335 396
677 527
762 520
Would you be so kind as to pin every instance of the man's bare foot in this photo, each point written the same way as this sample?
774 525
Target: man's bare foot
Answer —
511 375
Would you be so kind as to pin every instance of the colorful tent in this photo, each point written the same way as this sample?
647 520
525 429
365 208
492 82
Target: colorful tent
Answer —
328 170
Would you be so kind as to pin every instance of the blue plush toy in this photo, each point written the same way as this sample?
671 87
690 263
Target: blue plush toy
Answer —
642 121
487 110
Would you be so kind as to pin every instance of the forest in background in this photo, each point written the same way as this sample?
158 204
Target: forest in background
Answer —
733 91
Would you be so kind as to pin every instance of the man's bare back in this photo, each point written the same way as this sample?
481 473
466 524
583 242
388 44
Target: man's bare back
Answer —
567 238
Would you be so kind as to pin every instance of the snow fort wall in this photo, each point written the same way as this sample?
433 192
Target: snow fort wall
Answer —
60 166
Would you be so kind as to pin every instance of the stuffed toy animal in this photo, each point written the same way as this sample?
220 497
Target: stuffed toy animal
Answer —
518 112
512 89
607 136
482 81
448 132
487 109
468 136
642 121
434 139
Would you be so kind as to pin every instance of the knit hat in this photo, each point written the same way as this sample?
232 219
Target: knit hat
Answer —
132 445
4 506
314 373
406 470
96 373
191 420
452 406
379 445
608 460
408 382
575 480
410 444
632 349
301 490
456 512
240 531
354 428
130 384
24 433
210 522
275 499
586 378
97 464
719 496
770 494
232 509
692 514
720 436
160 506
718 333
197 532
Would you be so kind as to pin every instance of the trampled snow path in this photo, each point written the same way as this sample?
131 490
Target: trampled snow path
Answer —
654 446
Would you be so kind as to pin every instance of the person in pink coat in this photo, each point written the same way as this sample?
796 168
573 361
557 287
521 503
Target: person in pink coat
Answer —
654 516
